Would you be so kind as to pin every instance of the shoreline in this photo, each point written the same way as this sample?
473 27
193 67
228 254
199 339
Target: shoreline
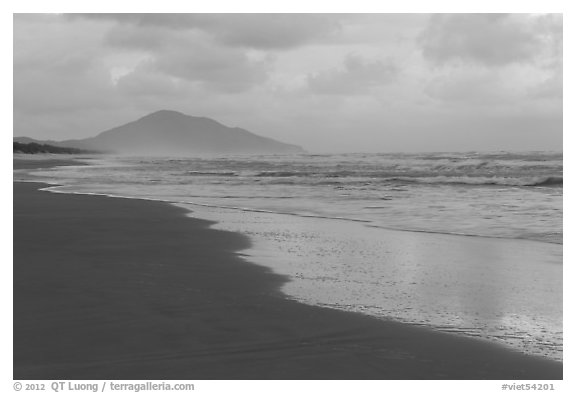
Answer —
472 286
128 289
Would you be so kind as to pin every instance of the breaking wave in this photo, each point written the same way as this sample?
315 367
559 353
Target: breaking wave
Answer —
200 173
542 181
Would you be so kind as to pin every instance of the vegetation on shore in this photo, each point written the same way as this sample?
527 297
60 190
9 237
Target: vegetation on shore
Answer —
36 148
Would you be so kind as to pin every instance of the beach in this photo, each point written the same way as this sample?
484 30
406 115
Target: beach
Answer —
112 288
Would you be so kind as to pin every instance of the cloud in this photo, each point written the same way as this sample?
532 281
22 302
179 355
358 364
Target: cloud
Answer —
192 56
488 39
465 87
65 75
148 38
274 31
358 76
500 88
64 90
226 71
549 88
145 82
493 59
257 31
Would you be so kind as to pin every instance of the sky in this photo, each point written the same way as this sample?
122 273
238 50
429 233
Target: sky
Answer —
327 82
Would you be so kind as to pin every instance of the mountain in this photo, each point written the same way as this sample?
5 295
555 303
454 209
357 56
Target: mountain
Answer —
173 133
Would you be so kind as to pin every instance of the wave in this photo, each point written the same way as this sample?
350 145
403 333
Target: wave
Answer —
318 172
348 177
58 188
200 173
548 181
280 174
242 196
482 181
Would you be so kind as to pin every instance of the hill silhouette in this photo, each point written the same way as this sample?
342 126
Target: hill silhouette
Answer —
169 132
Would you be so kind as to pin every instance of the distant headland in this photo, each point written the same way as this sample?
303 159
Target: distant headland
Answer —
167 132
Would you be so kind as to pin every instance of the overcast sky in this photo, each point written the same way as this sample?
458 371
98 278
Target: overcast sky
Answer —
328 82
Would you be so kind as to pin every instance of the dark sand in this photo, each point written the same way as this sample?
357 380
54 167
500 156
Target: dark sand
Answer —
108 288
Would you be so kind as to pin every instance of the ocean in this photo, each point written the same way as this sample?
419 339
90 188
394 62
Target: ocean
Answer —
467 243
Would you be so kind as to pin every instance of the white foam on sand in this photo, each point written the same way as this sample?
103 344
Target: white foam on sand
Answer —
505 290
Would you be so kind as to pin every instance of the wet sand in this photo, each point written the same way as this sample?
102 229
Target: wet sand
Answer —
108 288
